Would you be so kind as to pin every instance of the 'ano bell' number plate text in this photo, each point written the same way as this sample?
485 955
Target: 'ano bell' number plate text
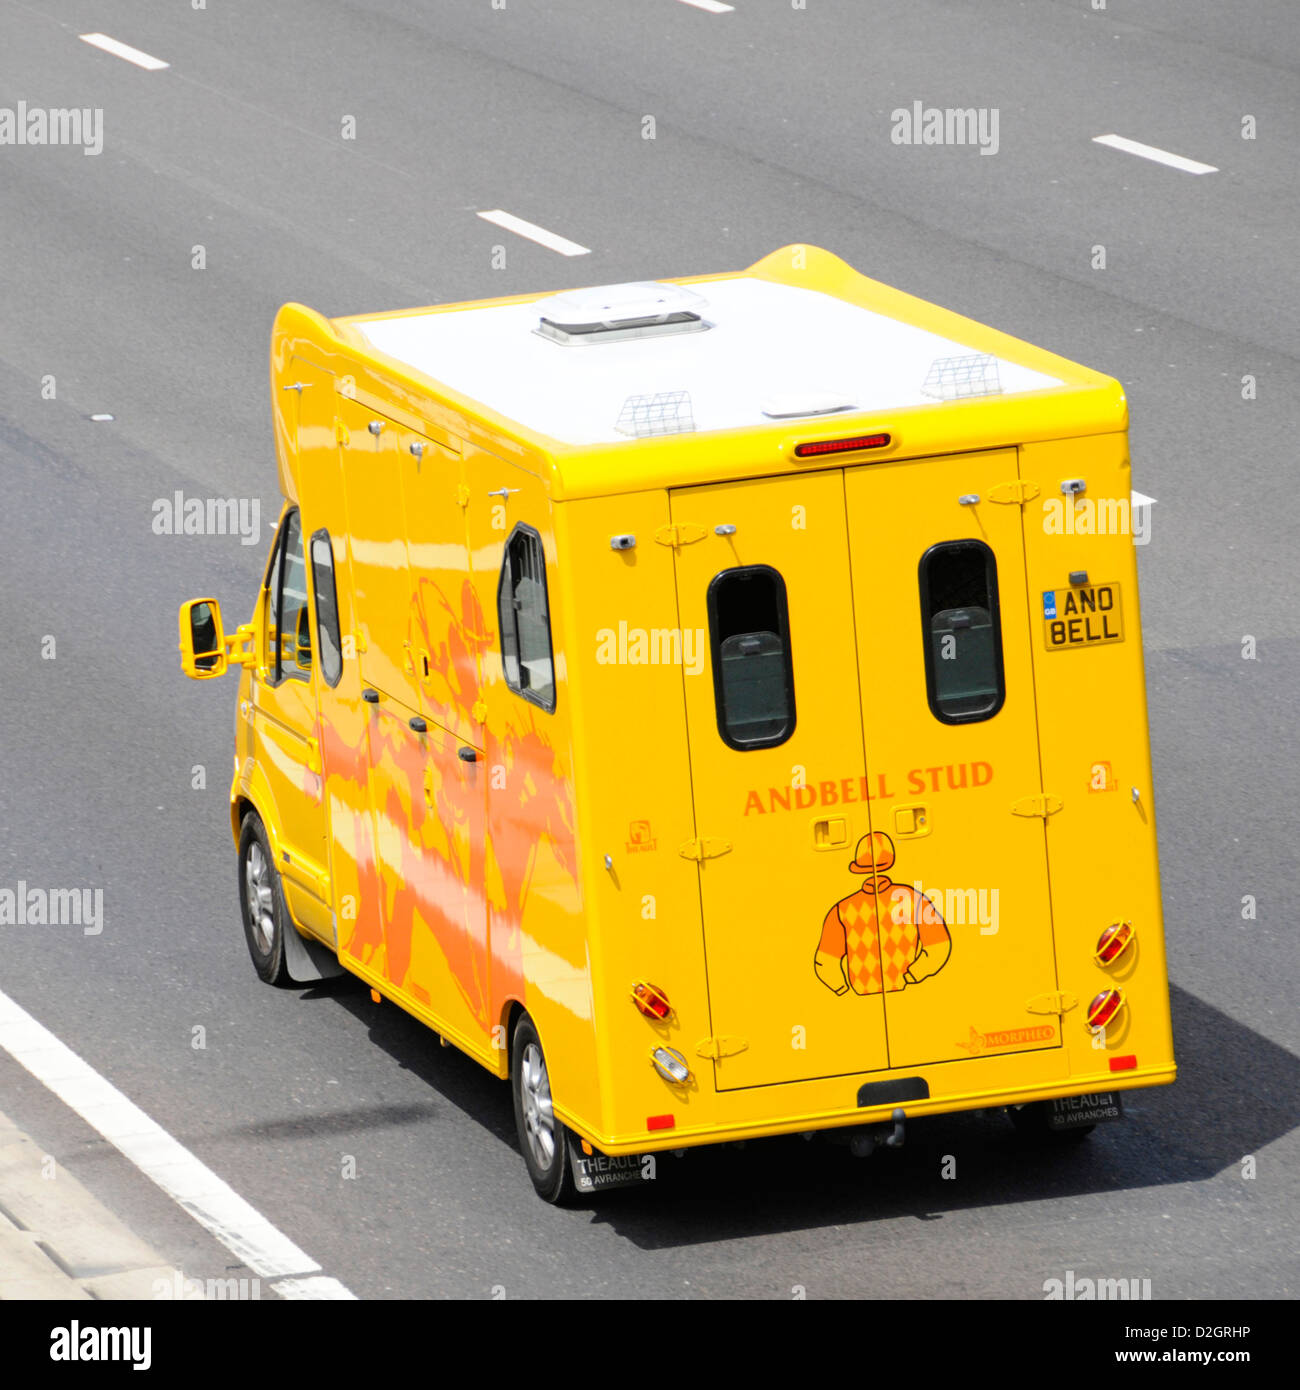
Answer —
1084 615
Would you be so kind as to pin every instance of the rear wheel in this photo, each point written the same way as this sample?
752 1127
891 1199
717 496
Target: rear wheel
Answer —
262 902
544 1140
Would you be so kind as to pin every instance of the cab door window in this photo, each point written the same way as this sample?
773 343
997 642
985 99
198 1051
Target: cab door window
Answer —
289 650
327 608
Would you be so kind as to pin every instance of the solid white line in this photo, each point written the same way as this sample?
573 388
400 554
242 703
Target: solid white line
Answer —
211 1201
315 1288
713 6
124 50
1175 161
533 232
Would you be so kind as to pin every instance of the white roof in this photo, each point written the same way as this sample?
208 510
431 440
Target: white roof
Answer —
768 343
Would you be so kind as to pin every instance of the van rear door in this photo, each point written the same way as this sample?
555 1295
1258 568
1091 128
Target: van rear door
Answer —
778 775
944 652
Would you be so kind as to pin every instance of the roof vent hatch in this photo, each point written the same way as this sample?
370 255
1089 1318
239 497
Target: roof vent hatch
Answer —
616 313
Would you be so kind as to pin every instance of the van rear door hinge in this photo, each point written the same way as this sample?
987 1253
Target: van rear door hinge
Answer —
701 848
462 494
1014 491
1055 1001
680 533
717 1048
1040 804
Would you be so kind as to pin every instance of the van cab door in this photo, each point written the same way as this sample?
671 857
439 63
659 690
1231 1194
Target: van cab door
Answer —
286 744
948 709
778 776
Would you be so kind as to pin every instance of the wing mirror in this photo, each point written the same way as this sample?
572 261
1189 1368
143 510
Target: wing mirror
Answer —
206 651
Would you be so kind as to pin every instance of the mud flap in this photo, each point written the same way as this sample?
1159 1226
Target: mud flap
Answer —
307 959
598 1172
1073 1112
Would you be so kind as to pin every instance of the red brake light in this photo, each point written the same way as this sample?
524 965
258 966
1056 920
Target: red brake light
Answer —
840 446
1113 942
651 1000
1104 1007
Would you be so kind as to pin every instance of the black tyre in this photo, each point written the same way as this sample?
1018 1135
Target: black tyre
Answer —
261 899
543 1139
1032 1121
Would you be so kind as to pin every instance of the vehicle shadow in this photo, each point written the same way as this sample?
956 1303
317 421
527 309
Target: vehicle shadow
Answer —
1236 1093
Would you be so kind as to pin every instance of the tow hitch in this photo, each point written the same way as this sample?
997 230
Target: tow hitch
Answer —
863 1141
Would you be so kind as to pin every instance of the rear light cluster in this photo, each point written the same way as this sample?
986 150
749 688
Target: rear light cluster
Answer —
653 1004
1114 942
651 1000
671 1065
1104 1007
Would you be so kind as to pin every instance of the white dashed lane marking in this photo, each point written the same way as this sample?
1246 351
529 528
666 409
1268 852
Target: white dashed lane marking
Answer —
533 232
124 50
1174 161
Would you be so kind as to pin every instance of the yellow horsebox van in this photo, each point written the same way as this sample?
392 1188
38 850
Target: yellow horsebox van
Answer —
715 705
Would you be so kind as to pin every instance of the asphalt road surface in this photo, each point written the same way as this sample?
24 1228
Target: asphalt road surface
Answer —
771 125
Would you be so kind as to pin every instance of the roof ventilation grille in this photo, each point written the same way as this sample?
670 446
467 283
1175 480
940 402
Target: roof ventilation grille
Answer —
952 378
614 313
667 412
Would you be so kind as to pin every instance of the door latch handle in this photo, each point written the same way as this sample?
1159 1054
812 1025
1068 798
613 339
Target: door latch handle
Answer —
831 833
912 821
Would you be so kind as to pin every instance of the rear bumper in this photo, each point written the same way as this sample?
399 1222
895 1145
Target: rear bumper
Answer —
690 1137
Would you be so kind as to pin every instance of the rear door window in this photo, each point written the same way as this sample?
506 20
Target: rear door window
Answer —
753 677
961 631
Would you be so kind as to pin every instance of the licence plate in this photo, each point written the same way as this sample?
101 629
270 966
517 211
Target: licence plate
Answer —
1084 615
597 1172
1070 1112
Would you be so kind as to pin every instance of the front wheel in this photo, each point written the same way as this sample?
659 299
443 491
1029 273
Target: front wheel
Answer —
261 900
544 1140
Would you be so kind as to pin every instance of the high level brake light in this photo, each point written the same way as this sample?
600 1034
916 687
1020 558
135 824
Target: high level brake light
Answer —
817 447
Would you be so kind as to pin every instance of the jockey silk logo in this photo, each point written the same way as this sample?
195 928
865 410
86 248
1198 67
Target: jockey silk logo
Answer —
885 935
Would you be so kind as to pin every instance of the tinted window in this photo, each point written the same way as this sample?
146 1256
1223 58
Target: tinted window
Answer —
291 621
327 608
962 632
273 601
753 679
526 619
